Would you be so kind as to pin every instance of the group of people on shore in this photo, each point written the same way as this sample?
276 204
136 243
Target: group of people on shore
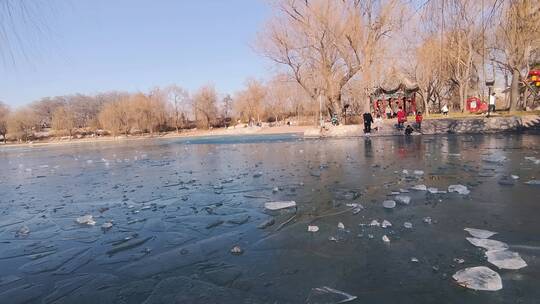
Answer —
401 120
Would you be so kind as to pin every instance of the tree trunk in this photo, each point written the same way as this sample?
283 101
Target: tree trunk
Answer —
335 105
514 91
426 103
461 97
367 105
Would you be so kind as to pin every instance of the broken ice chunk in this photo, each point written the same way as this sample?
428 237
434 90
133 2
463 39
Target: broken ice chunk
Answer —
22 232
326 294
433 190
389 204
407 225
403 199
505 259
480 233
386 224
86 220
487 244
375 223
236 250
279 205
535 160
495 158
312 228
340 225
106 226
385 239
478 278
459 189
356 207
419 188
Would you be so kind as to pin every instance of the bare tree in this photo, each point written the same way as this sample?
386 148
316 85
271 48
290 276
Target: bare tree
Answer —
518 42
179 100
4 114
64 120
22 123
86 109
147 111
249 102
45 107
327 43
463 44
427 72
227 106
204 106
279 97
114 116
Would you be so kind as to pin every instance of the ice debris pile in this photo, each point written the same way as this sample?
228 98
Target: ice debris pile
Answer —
497 253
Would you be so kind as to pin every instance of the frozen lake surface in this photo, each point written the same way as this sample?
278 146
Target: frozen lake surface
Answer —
165 215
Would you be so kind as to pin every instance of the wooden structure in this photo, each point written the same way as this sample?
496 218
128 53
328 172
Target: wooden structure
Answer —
396 92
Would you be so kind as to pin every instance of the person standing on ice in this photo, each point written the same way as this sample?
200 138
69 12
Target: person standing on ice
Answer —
401 118
378 123
388 111
368 120
419 119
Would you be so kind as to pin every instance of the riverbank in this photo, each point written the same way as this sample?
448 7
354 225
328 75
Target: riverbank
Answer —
431 126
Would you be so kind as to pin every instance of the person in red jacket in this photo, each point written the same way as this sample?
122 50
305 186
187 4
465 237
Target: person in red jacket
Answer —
419 119
401 118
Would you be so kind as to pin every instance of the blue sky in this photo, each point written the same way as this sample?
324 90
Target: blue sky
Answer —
90 46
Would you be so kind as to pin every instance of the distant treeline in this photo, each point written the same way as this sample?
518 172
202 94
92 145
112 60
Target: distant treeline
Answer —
159 110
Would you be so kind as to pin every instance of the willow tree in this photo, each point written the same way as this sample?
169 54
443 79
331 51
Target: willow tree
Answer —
427 72
64 120
325 43
22 123
114 117
179 100
248 103
518 41
4 114
204 105
463 43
